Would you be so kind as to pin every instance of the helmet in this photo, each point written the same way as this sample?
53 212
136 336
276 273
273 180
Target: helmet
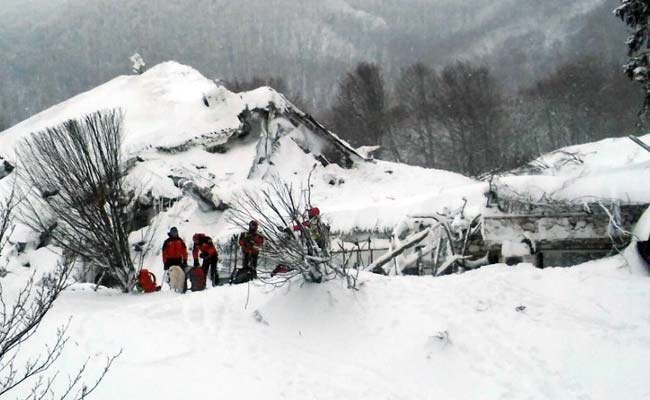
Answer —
313 212
173 232
252 226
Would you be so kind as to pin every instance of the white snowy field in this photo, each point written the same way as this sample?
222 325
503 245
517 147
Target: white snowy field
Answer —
496 333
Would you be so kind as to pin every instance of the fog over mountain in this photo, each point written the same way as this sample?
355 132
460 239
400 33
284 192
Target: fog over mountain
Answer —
54 49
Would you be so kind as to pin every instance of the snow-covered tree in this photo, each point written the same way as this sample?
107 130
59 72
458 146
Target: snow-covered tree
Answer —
636 15
137 64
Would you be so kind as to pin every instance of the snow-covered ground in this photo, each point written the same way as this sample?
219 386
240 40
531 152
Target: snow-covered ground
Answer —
496 333
610 169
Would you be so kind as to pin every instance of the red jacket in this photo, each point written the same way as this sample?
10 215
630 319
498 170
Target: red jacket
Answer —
250 242
174 249
203 245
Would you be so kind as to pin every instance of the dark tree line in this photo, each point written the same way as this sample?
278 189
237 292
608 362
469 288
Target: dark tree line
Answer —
79 45
461 118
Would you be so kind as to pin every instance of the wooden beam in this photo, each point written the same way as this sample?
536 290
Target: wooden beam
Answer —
639 142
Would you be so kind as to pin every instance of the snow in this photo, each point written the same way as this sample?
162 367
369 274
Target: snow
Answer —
498 332
164 103
610 169
515 249
579 333
164 108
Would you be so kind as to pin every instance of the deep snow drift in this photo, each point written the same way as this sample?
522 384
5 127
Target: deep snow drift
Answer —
496 333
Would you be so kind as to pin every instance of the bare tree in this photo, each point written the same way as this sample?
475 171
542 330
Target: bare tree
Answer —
20 318
415 94
471 109
76 191
289 238
361 106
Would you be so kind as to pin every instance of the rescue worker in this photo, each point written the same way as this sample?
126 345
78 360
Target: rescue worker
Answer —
250 243
174 251
317 230
204 249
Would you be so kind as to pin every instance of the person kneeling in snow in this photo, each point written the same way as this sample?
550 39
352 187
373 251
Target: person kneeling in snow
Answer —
250 243
204 248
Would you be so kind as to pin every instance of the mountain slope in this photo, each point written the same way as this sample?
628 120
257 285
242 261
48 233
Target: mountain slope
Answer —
194 144
53 52
498 333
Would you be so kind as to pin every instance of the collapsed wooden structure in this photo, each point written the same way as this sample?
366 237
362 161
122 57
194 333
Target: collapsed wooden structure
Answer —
559 234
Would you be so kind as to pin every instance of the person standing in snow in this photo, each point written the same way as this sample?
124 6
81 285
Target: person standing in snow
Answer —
317 230
174 251
204 249
250 243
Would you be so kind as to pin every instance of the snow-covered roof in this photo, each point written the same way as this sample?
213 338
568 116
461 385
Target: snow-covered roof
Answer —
172 107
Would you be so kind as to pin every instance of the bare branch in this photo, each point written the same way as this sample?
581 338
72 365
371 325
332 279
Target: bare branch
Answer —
75 180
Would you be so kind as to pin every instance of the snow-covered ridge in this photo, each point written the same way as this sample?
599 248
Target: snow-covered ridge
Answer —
198 144
181 127
163 107
612 169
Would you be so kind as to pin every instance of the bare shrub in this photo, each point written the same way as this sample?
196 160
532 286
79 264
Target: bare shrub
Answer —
304 248
21 314
75 180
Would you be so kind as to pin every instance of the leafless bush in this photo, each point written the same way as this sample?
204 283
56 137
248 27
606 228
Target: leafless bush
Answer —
20 318
303 248
75 182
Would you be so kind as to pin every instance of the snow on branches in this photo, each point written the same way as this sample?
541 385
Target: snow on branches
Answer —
294 238
636 15
137 64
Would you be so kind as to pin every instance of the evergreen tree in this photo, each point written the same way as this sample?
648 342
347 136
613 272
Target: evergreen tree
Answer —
636 15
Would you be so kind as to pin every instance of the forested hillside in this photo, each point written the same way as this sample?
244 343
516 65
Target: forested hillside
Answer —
54 49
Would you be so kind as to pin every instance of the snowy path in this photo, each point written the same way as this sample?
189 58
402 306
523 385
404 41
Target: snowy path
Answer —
584 334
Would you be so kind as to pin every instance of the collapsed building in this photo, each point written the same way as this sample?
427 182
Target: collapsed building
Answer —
555 234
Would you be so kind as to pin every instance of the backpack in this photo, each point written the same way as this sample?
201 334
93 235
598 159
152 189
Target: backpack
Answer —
243 275
197 278
147 281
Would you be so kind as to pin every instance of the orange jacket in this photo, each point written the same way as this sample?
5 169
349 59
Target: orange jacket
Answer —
203 245
250 242
174 249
